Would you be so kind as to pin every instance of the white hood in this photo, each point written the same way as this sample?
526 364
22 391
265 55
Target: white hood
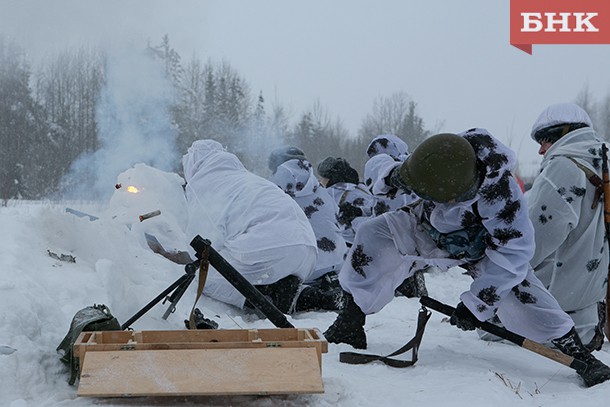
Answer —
205 155
296 178
581 144
235 208
388 144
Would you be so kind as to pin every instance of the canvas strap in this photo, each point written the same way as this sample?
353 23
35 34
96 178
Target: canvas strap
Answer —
354 358
593 179
204 265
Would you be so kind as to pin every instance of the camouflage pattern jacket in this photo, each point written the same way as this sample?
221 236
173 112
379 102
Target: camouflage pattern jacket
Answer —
296 178
501 208
571 257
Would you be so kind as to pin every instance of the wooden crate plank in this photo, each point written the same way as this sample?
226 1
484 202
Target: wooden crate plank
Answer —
78 349
195 372
220 335
195 335
319 338
138 340
196 345
279 334
112 336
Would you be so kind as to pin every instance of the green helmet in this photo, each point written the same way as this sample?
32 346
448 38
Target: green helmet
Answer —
442 168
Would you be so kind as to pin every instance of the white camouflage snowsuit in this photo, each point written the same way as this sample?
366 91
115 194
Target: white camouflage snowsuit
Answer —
382 152
255 226
571 257
296 178
358 196
391 247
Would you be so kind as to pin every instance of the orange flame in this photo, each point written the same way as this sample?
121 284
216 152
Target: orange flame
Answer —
132 189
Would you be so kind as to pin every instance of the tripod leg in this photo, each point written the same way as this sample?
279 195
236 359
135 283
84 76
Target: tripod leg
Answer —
175 297
186 277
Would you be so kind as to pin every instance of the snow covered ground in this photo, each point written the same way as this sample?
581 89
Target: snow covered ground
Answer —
40 294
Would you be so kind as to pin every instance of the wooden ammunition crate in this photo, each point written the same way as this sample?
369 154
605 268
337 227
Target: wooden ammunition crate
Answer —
200 362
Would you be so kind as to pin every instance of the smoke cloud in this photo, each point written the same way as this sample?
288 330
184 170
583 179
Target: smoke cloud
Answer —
134 126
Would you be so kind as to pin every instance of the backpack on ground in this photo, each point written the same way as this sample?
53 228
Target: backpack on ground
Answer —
91 318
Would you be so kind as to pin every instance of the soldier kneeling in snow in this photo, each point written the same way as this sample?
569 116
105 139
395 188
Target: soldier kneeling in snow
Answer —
255 226
293 173
472 214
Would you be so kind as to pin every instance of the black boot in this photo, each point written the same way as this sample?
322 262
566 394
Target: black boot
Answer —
282 293
596 372
314 299
413 287
349 325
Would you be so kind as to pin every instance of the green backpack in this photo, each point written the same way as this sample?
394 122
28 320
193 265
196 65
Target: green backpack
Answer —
92 318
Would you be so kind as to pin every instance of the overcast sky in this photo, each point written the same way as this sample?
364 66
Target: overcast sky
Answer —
452 57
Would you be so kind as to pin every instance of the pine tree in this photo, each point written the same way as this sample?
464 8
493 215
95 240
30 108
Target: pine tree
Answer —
171 60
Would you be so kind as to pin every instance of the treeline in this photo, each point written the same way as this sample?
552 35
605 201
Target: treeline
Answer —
48 116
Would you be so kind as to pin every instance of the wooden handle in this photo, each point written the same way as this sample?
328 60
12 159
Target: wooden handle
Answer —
562 358
606 184
606 189
519 340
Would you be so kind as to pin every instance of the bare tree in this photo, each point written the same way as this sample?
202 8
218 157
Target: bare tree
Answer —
586 100
603 118
397 115
67 87
20 124
190 110
319 135
598 111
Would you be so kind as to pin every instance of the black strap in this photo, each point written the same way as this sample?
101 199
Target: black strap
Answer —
354 358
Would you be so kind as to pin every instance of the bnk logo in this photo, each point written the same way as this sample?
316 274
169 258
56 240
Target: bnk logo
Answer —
559 22
533 22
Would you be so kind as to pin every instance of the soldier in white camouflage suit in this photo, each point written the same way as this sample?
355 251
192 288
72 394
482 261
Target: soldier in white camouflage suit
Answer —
293 173
356 203
571 257
472 214
384 151
256 227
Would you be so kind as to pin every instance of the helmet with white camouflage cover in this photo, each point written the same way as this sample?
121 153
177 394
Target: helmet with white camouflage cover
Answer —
282 154
443 168
558 120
